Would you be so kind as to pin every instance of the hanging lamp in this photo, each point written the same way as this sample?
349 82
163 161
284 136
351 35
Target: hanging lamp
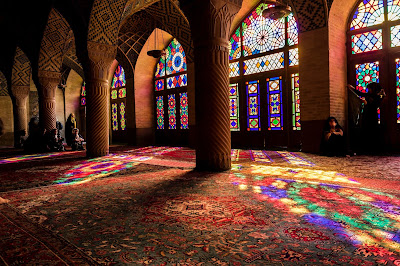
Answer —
156 53
278 11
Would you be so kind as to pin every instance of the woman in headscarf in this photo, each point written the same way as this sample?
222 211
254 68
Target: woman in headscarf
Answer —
69 126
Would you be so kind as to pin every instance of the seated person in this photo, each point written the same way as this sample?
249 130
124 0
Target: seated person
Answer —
55 143
333 143
77 141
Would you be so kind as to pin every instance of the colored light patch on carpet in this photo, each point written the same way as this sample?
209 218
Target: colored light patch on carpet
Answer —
294 159
302 173
100 167
260 156
369 220
30 157
235 155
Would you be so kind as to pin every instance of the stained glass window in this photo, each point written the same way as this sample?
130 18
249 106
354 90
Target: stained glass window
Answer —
114 111
172 111
184 110
368 13
114 94
175 58
262 34
395 36
122 115
119 78
393 10
296 102
160 112
160 71
365 74
275 114
83 94
367 41
236 43
253 106
398 89
159 85
293 31
170 75
294 57
122 93
234 106
234 70
264 63
177 81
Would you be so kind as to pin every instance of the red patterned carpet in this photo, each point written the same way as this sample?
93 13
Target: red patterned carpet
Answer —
148 207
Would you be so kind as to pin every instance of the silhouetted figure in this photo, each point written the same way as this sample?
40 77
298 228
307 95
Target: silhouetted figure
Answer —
36 141
333 142
77 142
54 143
20 139
370 135
59 127
69 126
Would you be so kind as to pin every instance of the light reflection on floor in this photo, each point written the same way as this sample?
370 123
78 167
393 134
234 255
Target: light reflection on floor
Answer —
30 157
100 167
358 215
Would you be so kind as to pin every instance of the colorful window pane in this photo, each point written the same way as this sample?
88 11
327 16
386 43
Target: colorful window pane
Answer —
122 93
184 110
275 115
293 31
264 63
172 111
114 94
393 10
236 43
160 112
177 81
119 78
365 42
234 106
296 102
262 34
83 101
368 13
122 116
253 106
83 90
395 36
175 58
398 89
160 71
365 74
114 111
234 70
159 85
294 57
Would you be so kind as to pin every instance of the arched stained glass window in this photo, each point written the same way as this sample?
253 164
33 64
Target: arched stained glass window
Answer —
374 34
265 84
170 85
118 100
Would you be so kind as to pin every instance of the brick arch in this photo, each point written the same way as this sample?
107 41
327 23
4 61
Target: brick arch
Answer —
3 85
21 71
55 41
105 20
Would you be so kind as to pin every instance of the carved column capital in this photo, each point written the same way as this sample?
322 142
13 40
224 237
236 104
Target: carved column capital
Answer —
101 57
49 81
20 92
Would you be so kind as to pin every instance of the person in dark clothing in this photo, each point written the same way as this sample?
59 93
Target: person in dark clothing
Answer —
333 142
54 143
77 142
69 126
369 118
59 127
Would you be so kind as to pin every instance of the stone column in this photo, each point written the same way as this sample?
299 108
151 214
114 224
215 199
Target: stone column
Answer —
48 81
101 57
20 95
210 23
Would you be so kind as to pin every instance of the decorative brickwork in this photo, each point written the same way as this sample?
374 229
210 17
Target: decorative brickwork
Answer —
3 85
21 72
